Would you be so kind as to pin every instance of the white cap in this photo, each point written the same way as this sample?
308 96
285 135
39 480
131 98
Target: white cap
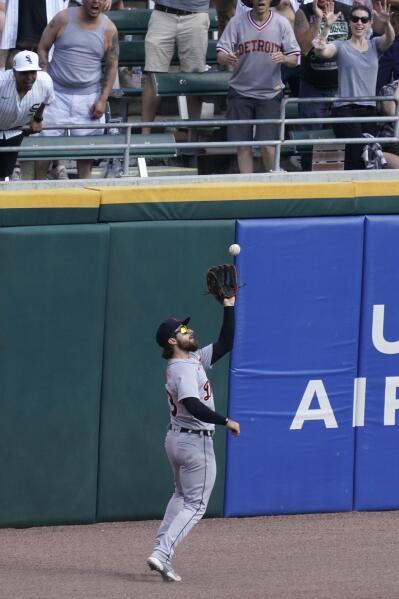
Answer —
26 61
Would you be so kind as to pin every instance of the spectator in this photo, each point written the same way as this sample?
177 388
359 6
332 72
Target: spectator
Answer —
256 45
287 9
108 4
290 76
184 23
388 69
226 9
24 22
357 60
391 150
82 38
318 77
22 90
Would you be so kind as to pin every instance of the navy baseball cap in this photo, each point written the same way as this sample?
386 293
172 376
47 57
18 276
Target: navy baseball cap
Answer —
167 329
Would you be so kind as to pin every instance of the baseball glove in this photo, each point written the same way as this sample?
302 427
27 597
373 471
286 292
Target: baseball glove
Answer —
221 281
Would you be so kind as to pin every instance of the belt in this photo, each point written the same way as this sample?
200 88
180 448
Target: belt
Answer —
173 11
202 433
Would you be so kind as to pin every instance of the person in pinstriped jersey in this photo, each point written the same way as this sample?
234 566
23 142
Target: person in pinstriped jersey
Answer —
22 90
23 24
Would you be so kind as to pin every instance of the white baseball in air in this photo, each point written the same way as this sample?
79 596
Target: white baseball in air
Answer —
234 249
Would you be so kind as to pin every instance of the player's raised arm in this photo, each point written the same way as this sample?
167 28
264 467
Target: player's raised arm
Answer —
224 344
222 283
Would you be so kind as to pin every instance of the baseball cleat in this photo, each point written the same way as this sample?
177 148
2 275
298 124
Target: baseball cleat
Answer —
165 570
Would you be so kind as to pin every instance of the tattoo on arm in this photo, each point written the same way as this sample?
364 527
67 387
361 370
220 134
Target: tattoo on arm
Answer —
114 48
111 65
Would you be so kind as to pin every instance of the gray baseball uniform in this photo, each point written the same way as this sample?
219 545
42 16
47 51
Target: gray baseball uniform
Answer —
187 378
255 74
191 455
189 440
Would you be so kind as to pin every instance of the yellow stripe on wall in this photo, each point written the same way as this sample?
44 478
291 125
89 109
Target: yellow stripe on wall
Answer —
92 197
74 197
214 192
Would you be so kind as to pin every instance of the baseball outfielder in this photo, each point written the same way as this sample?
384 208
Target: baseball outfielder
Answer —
189 440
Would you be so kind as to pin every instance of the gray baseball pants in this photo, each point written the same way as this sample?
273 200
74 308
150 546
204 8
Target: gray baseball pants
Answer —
194 467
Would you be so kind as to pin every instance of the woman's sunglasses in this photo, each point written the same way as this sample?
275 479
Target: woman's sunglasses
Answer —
362 19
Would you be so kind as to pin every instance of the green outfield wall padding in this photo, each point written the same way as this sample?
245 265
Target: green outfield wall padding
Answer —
27 217
270 208
52 305
155 270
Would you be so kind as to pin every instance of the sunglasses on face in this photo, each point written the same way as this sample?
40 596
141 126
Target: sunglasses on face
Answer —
183 330
362 19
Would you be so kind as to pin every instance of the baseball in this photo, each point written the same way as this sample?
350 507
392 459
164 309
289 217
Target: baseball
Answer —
234 249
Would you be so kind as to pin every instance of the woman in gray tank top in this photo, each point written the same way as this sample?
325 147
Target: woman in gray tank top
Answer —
357 60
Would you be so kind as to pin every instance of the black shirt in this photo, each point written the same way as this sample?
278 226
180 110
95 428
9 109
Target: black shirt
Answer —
32 21
317 71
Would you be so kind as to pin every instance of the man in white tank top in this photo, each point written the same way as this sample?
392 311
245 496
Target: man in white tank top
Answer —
83 38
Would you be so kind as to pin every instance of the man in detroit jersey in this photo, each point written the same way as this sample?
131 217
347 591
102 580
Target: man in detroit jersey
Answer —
256 44
189 440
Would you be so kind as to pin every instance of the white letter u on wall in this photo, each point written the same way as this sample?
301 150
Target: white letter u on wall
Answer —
379 341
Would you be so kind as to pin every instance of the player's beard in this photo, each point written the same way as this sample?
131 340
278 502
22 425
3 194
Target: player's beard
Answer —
189 344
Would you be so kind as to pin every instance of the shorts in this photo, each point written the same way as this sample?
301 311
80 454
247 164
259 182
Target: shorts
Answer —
188 32
241 107
72 109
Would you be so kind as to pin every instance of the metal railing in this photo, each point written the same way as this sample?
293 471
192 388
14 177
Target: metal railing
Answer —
129 147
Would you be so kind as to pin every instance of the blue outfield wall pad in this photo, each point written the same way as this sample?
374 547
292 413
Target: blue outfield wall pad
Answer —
52 303
377 455
293 366
156 270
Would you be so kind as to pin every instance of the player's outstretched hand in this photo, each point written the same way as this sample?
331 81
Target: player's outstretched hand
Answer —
234 427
